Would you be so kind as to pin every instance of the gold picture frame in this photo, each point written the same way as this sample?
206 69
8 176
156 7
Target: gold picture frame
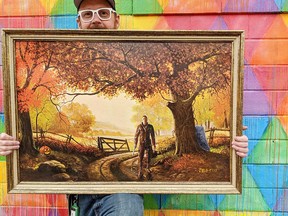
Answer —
66 143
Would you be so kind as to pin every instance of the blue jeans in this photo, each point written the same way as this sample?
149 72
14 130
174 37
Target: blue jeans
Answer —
111 205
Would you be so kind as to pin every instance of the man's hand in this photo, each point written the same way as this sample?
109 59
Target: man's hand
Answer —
135 146
8 144
240 144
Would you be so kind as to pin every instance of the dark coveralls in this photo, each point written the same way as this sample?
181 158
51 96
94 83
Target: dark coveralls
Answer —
146 136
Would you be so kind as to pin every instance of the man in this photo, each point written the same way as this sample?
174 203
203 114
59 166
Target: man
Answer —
92 16
101 14
97 14
146 135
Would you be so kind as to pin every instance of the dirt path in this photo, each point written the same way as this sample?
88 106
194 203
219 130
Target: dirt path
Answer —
110 168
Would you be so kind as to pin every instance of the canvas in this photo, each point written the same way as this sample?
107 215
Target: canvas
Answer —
107 111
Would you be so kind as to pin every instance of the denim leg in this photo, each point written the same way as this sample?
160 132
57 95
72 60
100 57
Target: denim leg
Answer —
111 205
87 204
121 205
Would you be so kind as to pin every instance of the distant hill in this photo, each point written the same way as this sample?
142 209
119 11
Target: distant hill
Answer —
105 126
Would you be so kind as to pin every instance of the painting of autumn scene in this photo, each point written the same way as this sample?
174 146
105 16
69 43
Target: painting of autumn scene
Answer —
81 106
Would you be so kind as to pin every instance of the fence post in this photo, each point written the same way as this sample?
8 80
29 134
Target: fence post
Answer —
127 144
212 130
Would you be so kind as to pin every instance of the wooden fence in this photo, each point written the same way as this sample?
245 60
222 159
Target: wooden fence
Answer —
104 143
212 135
63 137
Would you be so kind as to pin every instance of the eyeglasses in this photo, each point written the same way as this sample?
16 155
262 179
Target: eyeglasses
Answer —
102 13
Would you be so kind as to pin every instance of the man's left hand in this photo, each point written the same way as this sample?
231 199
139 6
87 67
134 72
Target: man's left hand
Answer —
240 144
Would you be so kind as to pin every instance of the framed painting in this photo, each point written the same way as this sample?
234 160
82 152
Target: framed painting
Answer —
104 111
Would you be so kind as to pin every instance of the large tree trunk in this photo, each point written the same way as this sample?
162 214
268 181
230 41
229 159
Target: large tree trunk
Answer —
185 131
27 145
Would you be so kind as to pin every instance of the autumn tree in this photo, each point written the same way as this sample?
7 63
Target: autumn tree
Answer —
60 123
81 119
42 116
142 70
222 105
213 110
35 76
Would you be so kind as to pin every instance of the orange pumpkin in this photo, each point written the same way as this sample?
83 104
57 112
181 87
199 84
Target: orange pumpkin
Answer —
45 150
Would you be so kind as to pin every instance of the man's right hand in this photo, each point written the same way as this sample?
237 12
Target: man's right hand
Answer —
135 146
8 144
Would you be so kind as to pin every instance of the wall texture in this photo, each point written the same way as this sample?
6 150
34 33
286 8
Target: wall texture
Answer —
265 171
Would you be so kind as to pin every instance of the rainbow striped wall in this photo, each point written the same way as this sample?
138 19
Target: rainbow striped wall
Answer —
265 171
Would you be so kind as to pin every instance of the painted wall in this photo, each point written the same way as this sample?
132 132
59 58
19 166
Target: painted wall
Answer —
265 171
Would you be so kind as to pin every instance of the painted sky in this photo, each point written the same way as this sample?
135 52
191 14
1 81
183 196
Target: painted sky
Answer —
117 111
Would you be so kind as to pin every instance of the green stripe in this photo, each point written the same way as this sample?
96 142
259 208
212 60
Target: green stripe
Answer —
151 201
124 7
147 7
64 7
189 202
251 199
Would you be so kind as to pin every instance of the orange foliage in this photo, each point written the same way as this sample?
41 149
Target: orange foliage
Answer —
35 76
139 69
187 161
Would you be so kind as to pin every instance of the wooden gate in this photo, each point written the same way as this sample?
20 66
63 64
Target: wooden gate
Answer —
114 145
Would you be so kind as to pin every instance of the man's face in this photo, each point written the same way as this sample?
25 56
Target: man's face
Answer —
144 120
96 23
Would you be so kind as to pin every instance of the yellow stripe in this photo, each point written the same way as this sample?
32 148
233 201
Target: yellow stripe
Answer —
3 172
138 22
3 192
